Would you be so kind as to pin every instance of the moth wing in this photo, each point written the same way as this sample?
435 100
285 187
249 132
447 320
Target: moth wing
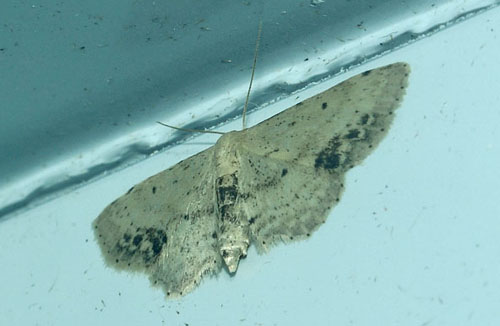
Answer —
165 226
353 111
293 164
284 201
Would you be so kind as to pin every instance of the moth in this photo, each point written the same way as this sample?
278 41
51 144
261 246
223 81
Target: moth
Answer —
274 182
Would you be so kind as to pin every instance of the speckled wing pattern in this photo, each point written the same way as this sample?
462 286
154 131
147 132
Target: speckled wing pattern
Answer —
165 225
295 161
274 182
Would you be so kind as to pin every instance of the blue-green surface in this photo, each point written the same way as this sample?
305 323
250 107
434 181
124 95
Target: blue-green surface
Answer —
82 83
414 240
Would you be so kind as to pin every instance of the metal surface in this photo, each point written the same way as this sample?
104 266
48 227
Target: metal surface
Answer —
414 240
82 84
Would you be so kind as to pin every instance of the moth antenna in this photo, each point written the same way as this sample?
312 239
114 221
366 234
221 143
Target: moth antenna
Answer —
246 100
192 130
253 73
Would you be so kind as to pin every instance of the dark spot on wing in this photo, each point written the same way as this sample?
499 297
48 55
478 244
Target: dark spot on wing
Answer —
146 245
353 133
324 105
329 157
157 245
154 190
137 239
364 119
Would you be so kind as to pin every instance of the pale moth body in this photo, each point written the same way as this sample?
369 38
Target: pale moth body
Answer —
271 183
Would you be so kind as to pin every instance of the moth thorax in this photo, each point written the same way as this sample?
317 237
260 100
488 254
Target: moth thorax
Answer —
226 156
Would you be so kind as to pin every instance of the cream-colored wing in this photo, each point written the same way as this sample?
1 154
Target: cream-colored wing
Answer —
293 164
166 226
